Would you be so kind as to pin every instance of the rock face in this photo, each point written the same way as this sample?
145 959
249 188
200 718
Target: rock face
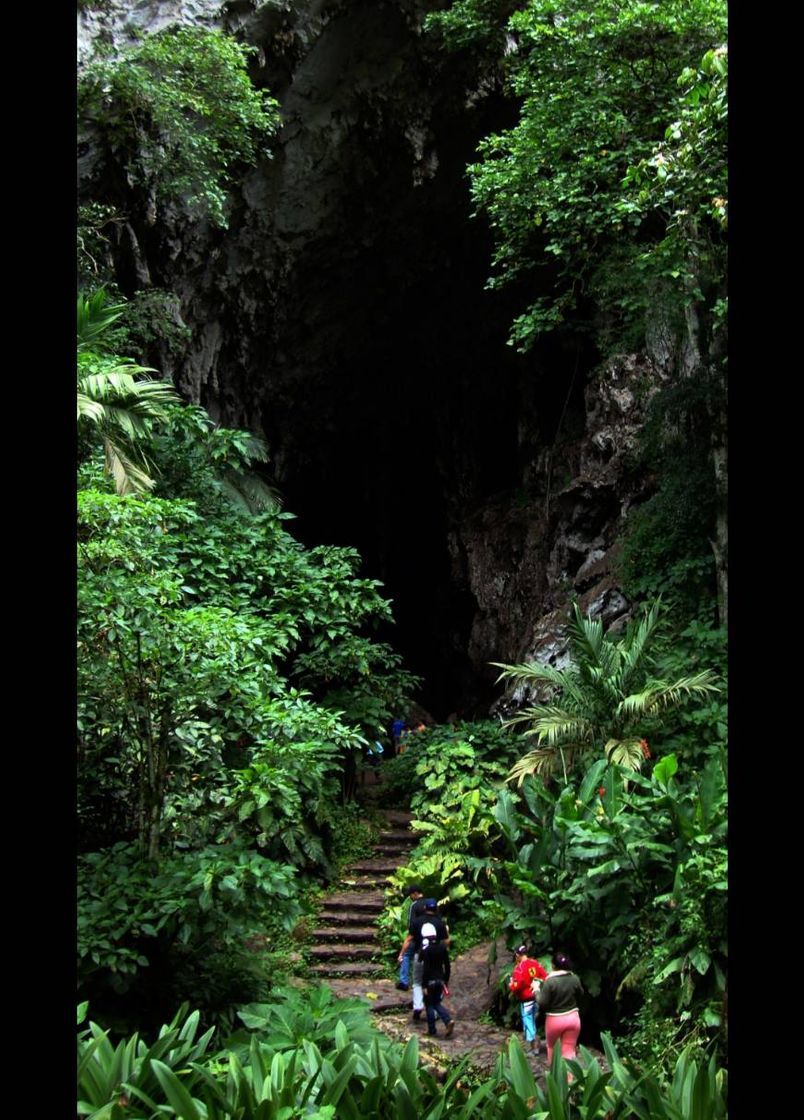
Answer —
343 315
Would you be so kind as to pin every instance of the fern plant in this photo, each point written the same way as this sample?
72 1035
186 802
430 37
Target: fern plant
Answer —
597 705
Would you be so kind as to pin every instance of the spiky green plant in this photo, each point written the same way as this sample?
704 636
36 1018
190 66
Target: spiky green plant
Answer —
595 706
116 397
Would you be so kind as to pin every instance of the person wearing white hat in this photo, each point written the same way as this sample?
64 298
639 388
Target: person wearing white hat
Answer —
435 974
429 916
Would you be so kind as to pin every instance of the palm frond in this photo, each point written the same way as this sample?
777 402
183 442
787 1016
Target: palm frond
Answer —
586 637
659 694
531 672
129 477
95 315
625 752
636 639
90 409
248 492
553 725
257 449
542 761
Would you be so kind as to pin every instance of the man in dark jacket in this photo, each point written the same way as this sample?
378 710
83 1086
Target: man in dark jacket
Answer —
435 974
406 954
441 934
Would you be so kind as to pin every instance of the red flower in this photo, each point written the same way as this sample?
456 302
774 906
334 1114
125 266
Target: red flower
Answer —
645 749
602 790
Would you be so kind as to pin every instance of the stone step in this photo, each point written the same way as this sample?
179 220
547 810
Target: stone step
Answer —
383 866
401 834
380 871
346 933
393 849
344 917
347 970
342 952
366 882
357 901
397 817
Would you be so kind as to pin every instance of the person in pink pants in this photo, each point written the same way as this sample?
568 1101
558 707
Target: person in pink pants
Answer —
558 1002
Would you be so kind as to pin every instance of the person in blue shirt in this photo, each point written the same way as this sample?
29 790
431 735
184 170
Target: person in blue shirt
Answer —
405 957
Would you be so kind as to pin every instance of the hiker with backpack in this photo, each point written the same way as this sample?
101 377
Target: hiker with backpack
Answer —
435 974
524 985
441 928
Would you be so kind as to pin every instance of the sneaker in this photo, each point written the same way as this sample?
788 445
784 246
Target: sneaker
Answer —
450 1027
417 1015
403 987
432 1033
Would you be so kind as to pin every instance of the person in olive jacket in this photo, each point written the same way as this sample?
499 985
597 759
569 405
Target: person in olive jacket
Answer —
558 1002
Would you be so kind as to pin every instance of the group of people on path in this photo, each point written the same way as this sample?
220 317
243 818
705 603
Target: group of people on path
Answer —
401 731
425 967
424 954
555 994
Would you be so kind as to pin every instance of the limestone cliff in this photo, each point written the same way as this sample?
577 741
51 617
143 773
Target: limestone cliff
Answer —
343 314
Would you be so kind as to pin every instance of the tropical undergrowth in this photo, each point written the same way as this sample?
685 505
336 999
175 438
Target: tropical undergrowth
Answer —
228 683
308 1055
624 868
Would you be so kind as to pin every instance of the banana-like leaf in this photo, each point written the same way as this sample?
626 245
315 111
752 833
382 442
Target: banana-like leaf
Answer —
592 778
521 1074
180 1100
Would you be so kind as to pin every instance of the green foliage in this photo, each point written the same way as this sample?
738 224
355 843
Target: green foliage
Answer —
353 833
454 771
108 1076
598 89
177 686
685 177
632 873
179 117
294 1015
627 869
328 1062
665 549
139 419
599 703
478 25
452 760
209 785
152 319
96 221
128 908
116 403
368 678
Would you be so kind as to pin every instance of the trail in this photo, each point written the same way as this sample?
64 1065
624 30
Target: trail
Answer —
345 955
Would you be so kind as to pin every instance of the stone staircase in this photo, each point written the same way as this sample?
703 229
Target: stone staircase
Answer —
344 951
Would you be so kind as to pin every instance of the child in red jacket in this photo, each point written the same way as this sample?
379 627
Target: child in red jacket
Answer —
526 970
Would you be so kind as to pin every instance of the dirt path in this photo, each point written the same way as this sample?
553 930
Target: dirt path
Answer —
472 987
